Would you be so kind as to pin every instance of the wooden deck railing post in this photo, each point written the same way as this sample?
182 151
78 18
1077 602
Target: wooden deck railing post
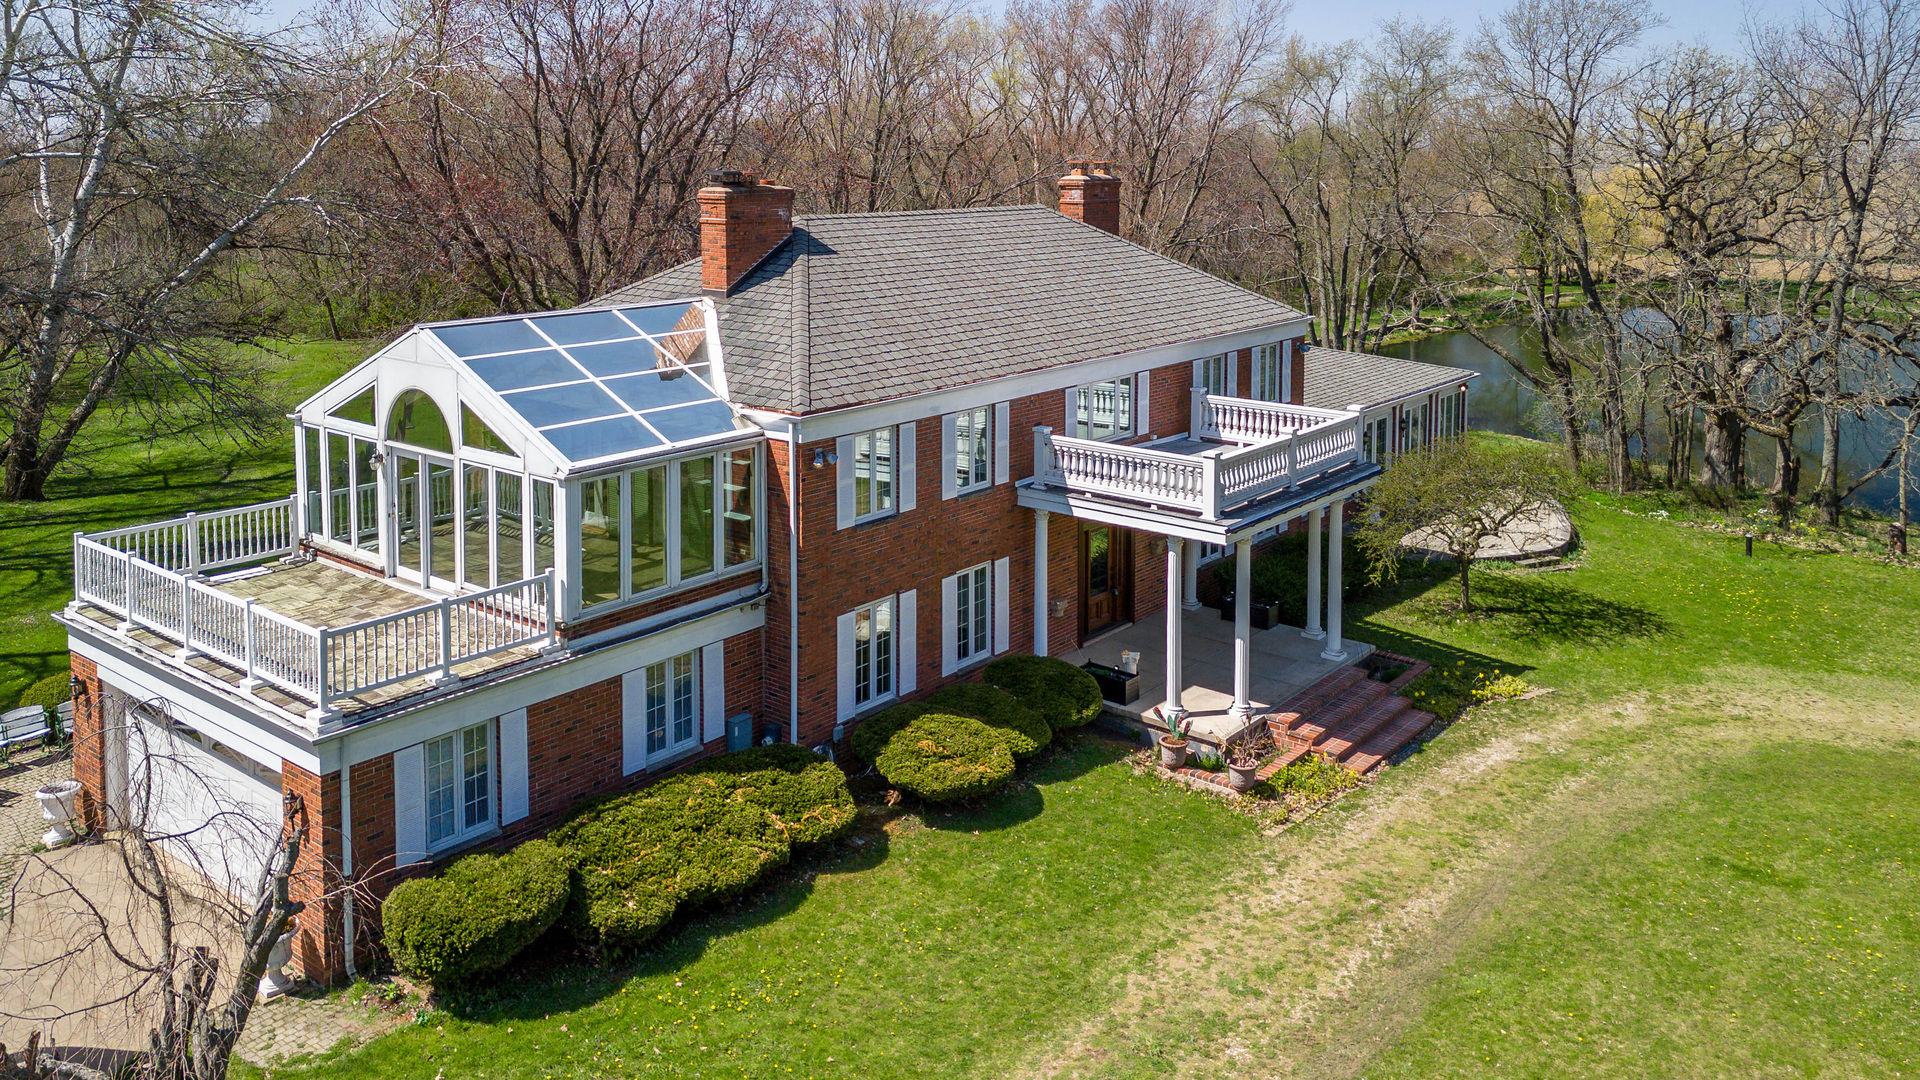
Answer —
1042 456
1293 459
193 542
1197 412
553 631
1210 485
252 681
445 675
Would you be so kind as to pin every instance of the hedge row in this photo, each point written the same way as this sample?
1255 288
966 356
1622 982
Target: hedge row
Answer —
617 869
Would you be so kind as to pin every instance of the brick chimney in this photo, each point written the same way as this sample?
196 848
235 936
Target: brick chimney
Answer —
741 220
1091 193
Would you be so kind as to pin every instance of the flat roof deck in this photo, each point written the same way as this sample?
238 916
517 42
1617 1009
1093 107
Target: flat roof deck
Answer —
318 593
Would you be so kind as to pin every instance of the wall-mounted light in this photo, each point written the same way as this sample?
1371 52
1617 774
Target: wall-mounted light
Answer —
823 457
1058 606
76 689
379 458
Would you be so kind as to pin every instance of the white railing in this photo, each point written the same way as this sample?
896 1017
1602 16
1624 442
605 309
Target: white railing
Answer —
321 665
1246 421
1210 482
199 543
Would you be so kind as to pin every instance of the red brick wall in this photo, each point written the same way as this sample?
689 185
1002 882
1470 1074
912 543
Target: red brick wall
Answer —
573 751
316 874
1299 373
1243 372
739 225
776 698
89 745
679 598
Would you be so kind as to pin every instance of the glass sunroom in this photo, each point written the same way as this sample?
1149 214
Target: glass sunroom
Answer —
597 443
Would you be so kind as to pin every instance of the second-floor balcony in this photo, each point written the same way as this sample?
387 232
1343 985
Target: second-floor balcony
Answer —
1237 451
310 637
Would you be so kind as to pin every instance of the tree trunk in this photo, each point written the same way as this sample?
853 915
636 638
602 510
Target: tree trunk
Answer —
1786 467
1466 575
1720 460
25 480
1827 499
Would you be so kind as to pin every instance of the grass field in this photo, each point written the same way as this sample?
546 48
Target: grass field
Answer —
1695 857
119 477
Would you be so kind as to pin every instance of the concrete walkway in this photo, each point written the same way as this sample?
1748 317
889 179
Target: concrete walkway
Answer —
20 822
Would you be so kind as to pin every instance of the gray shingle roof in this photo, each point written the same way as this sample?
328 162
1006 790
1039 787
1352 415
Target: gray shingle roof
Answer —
856 308
1336 378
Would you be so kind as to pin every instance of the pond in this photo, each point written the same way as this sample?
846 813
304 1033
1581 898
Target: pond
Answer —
1502 401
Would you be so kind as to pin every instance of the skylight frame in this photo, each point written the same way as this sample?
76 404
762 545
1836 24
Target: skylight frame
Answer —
664 359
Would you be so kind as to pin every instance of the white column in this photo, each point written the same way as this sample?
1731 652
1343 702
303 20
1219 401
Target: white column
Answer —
1336 590
1242 630
1040 518
1172 711
1190 578
1313 576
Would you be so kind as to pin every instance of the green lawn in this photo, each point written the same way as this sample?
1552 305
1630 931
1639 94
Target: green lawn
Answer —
120 477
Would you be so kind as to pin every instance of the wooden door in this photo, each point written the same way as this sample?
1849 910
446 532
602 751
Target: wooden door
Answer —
1106 577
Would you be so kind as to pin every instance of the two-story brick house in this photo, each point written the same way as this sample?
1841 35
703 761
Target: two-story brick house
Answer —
835 462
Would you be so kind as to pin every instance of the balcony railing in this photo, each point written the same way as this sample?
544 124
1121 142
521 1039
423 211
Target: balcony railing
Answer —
1305 444
150 576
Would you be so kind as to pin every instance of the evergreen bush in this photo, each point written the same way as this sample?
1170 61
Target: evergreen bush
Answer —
941 758
873 733
1062 694
478 913
1027 731
48 692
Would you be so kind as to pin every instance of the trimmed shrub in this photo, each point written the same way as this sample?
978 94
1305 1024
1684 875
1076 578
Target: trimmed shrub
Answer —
1027 730
805 793
873 734
49 691
941 758
478 913
707 834
1062 694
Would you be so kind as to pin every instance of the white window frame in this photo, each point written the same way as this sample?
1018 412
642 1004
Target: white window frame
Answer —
973 429
868 682
1269 373
465 827
973 614
677 708
1076 408
874 513
1215 373
674 577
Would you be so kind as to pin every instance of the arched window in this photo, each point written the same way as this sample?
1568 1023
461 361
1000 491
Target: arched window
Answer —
416 421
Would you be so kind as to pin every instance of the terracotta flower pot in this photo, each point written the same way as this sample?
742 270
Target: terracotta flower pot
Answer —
1173 752
1242 778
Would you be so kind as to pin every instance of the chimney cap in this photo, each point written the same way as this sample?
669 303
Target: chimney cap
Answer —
1076 167
732 177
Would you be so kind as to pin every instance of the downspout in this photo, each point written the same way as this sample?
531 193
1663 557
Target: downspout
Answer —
793 582
346 854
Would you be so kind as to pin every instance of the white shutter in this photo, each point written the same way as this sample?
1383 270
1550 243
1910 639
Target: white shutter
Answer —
948 646
949 426
906 488
843 480
1002 616
1232 363
713 690
409 805
1286 370
845 707
1070 426
1142 419
513 766
633 721
1002 442
906 651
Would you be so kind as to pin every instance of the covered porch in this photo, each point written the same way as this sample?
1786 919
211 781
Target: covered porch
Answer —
1283 662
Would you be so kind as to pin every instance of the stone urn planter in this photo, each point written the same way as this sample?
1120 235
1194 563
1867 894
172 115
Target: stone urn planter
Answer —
1241 778
1173 750
58 804
276 981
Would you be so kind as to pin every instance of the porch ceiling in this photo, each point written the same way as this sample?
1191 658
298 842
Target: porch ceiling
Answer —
1328 487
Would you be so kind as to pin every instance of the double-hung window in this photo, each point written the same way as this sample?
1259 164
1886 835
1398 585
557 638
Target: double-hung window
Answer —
972 613
972 449
873 473
1104 410
459 785
874 641
673 704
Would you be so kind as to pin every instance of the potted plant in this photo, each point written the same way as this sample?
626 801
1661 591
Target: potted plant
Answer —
1261 614
1173 745
1116 684
1243 766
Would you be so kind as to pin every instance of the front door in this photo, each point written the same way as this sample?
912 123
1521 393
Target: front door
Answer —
1106 578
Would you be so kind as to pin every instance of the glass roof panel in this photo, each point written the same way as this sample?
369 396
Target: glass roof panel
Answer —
575 327
692 421
656 389
563 404
517 371
683 348
601 438
617 357
664 319
493 336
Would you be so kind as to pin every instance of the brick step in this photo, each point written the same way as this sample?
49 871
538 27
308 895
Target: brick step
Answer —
1351 702
1388 741
1348 737
1315 697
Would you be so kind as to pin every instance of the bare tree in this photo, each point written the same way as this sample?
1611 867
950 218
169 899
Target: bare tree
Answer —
165 926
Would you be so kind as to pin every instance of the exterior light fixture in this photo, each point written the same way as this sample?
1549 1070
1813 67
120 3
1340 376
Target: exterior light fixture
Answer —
823 457
76 688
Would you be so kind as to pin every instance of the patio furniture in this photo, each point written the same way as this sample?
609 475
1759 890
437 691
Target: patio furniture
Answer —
24 724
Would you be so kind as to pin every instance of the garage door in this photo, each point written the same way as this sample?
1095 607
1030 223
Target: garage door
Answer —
205 803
